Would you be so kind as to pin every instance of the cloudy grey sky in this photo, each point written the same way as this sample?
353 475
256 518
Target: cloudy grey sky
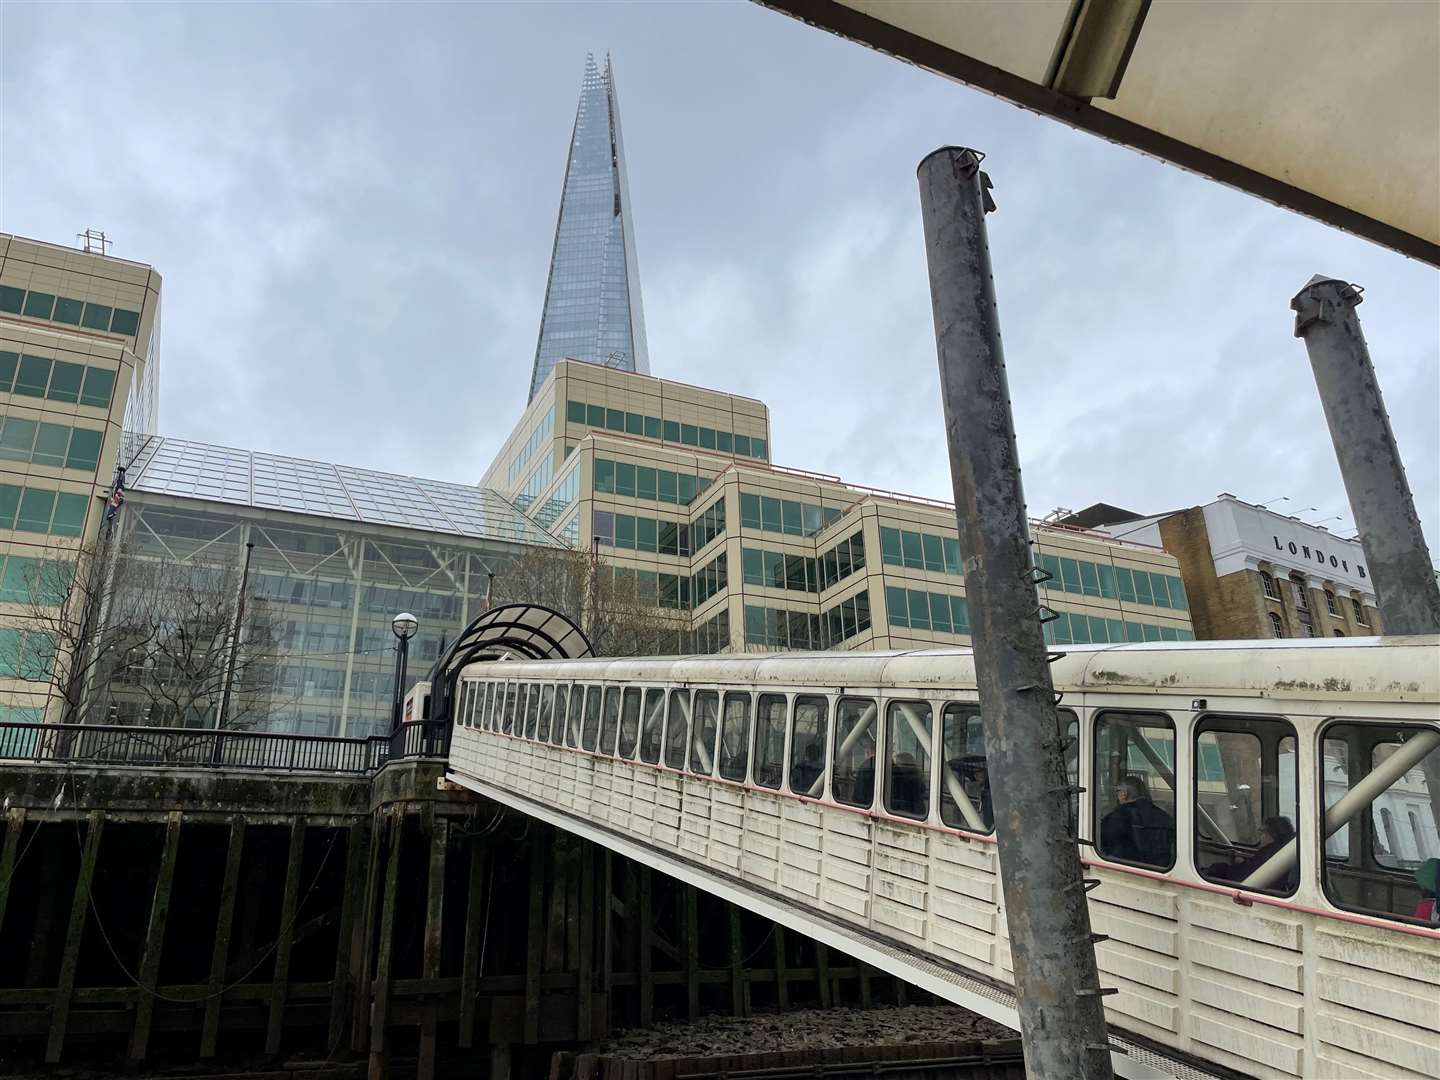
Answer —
353 207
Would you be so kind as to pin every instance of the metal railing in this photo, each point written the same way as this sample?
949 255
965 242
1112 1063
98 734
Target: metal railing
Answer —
168 747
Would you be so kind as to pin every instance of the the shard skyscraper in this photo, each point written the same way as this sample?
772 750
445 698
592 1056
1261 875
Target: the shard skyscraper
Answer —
592 301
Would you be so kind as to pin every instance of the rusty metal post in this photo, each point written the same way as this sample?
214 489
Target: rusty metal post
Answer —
1380 499
1062 1018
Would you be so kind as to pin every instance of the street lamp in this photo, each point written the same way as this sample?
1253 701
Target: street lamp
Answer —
403 626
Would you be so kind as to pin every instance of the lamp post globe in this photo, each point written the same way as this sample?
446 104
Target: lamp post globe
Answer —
403 626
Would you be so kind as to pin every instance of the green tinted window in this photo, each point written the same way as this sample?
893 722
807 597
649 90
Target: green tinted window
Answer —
646 538
625 479
39 305
1152 632
895 605
69 515
17 439
707 438
910 544
769 513
652 427
1099 633
1079 629
742 445
575 412
614 420
645 483
1133 632
68 311
9 504
1177 593
65 382
634 423
672 430
940 612
724 442
84 449
51 445
960 614
689 435
97 317
1107 580
15 587
757 448
667 489
688 488
753 564
1070 575
1142 588
11 299
1089 579
1125 585
594 416
1160 590
1116 629
99 385
125 322
749 510
9 361
624 531
605 476
919 610
34 374
1168 633
952 557
790 518
36 509
890 547
934 553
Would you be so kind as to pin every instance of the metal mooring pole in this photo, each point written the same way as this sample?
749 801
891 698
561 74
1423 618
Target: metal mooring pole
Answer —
1062 1017
1380 499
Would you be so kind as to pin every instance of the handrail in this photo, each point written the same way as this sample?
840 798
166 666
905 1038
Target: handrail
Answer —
178 747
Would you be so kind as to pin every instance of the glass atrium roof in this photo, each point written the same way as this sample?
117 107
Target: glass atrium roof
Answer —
195 470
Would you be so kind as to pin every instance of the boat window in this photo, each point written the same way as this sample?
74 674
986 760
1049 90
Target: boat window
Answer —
1381 784
1135 789
907 759
591 731
1071 724
577 710
702 734
770 740
808 724
735 737
964 777
629 722
652 726
852 779
1244 800
477 695
677 734
532 710
487 719
547 707
520 710
562 701
610 721
508 723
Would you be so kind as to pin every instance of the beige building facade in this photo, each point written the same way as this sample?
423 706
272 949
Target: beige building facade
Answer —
1252 573
674 485
78 369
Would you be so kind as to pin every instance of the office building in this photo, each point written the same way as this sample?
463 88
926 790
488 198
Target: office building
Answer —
79 342
1252 573
592 306
673 486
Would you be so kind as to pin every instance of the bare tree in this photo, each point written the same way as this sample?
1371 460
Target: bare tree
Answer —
620 612
145 640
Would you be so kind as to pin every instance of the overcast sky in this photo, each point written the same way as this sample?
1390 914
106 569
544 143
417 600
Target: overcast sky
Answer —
353 209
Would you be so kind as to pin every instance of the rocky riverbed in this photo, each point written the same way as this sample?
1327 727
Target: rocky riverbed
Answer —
807 1029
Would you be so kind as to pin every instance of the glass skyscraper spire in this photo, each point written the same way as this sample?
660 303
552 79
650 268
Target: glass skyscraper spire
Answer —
592 300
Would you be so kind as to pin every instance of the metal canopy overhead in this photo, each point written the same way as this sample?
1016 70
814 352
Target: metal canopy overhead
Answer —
1331 109
530 631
